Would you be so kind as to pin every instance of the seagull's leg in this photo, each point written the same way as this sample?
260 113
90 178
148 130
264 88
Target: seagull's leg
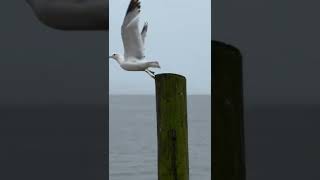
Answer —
152 72
149 74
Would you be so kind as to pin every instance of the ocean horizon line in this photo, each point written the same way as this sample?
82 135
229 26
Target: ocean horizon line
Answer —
154 94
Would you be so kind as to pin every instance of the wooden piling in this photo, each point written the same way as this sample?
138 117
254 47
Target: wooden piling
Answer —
172 128
228 124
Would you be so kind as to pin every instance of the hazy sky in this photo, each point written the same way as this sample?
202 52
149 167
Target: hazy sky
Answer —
178 37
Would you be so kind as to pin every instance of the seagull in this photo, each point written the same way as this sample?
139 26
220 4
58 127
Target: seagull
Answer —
133 42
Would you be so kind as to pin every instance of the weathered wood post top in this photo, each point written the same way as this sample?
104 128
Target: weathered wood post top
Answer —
172 128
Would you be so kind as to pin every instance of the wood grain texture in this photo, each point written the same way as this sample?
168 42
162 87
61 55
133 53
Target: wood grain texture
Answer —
172 127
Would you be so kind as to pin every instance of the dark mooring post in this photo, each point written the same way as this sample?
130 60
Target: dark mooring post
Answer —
228 125
172 128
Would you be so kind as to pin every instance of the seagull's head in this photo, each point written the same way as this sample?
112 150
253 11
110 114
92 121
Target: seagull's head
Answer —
116 57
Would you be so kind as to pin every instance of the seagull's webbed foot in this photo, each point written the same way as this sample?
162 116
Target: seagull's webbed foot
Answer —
151 75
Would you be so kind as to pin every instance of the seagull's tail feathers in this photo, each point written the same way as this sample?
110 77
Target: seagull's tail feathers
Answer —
154 64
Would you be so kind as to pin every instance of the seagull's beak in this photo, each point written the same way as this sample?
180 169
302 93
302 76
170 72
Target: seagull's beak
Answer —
110 57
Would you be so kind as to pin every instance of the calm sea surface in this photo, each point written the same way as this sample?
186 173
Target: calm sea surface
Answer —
133 137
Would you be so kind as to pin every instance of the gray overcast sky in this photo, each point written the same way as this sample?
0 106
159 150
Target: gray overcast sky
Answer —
178 37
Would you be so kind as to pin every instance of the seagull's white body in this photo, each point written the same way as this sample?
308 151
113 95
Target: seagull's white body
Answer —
136 66
133 64
133 42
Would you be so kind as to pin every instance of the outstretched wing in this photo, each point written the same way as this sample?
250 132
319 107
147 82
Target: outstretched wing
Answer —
131 37
144 32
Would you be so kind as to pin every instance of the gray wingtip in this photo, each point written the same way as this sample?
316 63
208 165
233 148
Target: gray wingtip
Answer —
145 27
134 4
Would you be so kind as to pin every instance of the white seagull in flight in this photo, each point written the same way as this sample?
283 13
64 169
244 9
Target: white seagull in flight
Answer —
133 42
